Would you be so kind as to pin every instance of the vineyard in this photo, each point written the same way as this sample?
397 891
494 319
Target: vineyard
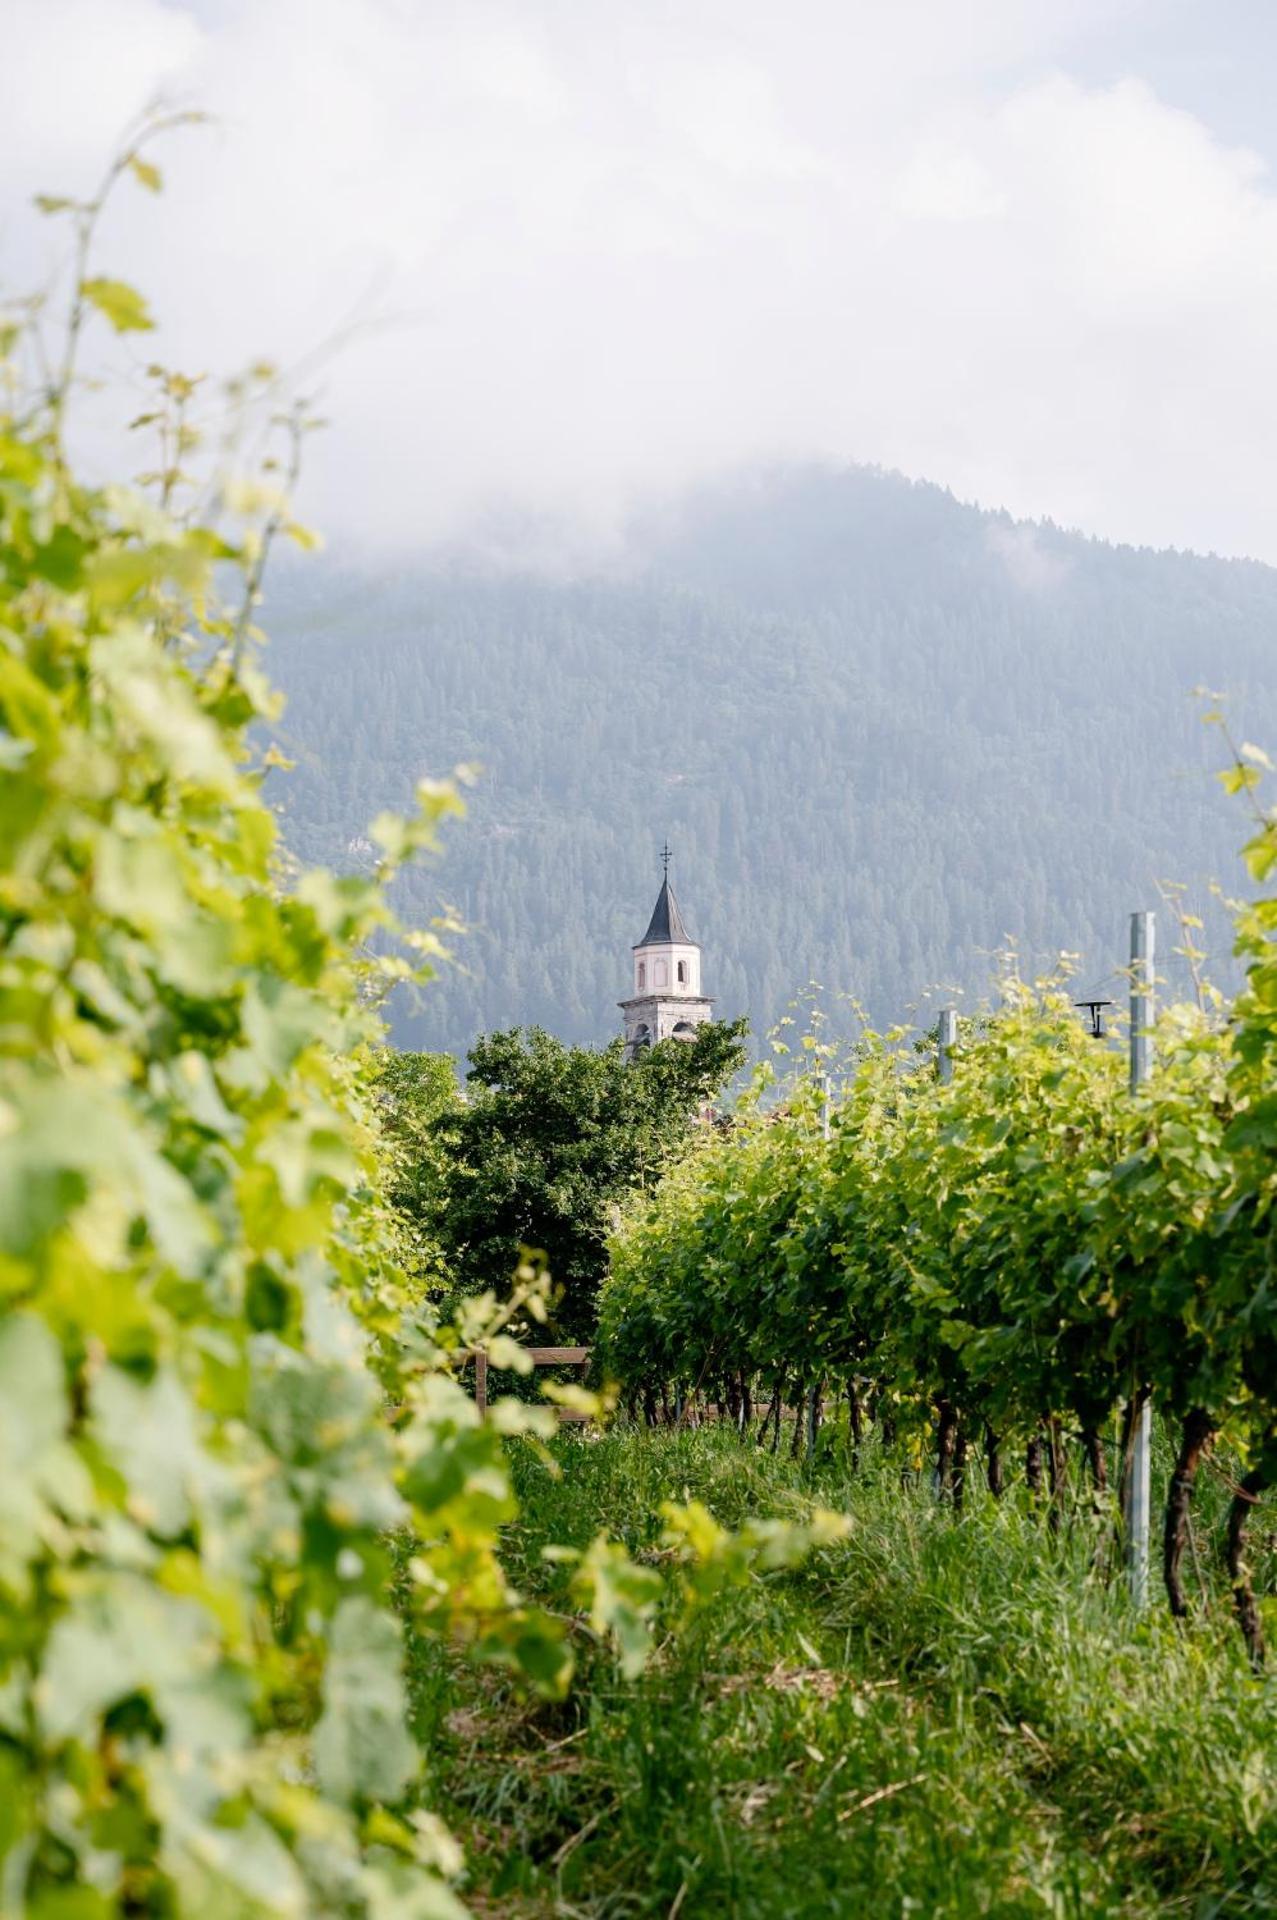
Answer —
293 1622
1008 1260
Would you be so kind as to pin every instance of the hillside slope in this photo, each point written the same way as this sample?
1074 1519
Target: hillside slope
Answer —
881 729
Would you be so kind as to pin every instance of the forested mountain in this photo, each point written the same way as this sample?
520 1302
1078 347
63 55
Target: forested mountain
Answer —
881 729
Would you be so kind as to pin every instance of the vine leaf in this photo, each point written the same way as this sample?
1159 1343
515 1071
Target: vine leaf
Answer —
41 1470
146 173
119 303
362 1748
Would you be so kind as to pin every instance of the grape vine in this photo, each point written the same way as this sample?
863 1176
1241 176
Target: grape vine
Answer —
232 1459
1007 1260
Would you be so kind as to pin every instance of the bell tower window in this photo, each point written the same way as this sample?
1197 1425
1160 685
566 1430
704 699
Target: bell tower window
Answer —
642 975
682 973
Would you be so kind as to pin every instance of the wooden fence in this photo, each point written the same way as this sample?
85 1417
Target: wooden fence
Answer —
540 1357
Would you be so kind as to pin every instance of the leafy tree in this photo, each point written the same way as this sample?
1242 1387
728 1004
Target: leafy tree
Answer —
419 1102
549 1138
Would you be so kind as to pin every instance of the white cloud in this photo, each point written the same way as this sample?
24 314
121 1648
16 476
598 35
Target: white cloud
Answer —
945 181
620 245
74 74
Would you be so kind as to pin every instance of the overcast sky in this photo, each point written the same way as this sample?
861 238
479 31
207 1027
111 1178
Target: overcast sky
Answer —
1027 248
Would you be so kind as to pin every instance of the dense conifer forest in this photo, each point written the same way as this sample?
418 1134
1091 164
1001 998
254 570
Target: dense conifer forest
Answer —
884 732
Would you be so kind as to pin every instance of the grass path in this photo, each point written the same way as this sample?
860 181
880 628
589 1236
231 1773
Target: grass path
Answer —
930 1719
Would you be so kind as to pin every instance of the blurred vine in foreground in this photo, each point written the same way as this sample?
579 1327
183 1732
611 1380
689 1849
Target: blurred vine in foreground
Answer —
219 1402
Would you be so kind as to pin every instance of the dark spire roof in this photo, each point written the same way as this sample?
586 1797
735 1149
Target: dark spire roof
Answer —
666 924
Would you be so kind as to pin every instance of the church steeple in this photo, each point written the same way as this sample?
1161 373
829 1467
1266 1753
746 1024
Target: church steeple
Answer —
666 923
667 1000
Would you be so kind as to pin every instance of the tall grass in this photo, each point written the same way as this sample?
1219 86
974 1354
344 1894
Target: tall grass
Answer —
935 1717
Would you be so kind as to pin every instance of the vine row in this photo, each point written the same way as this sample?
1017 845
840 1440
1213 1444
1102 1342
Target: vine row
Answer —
1025 1253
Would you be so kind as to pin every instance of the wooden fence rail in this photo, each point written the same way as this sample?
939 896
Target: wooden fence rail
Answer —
540 1357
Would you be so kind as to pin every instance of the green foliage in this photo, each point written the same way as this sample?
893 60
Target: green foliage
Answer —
1017 1253
120 303
204 1321
1248 1228
626 1599
547 1141
419 1101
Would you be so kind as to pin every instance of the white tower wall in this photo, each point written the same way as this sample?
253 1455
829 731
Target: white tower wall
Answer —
674 968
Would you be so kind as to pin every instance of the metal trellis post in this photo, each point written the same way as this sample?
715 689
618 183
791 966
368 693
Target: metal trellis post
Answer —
813 1392
947 1038
1137 1484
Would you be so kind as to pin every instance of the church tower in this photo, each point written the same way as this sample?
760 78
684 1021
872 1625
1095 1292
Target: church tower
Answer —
667 1000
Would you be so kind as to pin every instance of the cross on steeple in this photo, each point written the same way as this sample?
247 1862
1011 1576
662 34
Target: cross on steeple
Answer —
667 854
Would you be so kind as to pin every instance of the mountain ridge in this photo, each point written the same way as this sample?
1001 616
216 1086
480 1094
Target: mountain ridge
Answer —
882 728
